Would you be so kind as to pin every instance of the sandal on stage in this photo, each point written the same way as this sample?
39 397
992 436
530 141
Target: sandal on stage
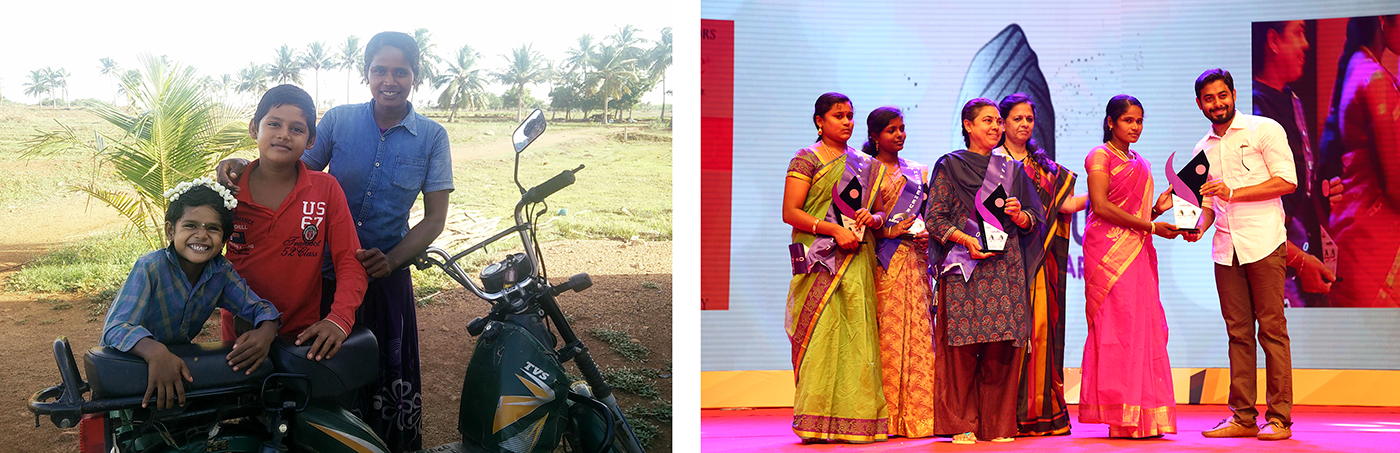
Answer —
964 439
1004 439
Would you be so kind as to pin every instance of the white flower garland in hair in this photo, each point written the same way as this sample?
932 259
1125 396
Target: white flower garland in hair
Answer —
180 189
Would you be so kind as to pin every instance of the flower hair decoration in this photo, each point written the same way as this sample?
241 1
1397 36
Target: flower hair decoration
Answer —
180 189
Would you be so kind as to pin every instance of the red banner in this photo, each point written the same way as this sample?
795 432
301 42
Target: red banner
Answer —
716 159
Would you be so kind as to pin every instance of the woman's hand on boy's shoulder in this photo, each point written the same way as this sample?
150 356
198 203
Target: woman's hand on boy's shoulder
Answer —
228 171
328 338
251 348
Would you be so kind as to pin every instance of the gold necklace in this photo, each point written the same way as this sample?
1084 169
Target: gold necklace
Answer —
829 152
891 169
1121 154
1008 152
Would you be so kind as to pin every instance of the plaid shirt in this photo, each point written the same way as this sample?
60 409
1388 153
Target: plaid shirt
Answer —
158 301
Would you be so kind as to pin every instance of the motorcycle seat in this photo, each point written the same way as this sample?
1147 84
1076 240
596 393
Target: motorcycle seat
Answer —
355 365
116 374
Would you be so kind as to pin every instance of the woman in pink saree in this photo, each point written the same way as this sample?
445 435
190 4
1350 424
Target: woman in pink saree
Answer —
1127 381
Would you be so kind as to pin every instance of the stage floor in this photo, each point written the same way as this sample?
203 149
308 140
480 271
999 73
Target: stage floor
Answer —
1315 428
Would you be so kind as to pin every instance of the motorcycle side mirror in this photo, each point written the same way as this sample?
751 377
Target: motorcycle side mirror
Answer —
529 130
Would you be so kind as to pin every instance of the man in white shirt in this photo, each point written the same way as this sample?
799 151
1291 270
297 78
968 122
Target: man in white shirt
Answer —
1251 167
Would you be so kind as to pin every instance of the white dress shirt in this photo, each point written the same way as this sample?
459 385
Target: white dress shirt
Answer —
1253 149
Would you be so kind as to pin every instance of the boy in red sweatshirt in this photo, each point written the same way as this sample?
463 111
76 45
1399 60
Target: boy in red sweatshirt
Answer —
287 219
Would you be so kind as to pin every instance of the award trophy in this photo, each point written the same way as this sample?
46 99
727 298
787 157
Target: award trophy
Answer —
991 213
1186 190
909 205
848 201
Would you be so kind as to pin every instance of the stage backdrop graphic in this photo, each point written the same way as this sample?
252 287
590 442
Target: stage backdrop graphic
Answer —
928 58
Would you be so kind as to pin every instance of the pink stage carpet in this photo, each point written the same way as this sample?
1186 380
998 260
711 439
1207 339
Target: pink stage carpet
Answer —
1315 428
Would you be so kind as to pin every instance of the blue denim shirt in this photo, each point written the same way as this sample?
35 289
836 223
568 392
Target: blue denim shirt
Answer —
381 174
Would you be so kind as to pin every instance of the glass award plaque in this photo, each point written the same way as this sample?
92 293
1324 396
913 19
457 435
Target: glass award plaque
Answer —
1186 190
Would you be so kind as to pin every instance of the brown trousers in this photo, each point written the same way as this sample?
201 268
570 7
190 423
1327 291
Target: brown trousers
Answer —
974 386
1251 293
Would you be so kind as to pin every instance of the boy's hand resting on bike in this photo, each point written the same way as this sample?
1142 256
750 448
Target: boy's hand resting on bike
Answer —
163 374
250 349
328 338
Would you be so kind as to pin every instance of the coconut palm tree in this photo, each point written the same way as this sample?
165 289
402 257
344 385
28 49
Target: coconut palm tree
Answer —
659 59
427 57
627 41
174 132
128 78
351 59
252 79
523 67
610 76
38 84
316 58
226 83
59 80
110 68
285 67
579 57
464 84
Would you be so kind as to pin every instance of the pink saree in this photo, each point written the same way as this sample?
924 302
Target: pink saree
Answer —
1127 380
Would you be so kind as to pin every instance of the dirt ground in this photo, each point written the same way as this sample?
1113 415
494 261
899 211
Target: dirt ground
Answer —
631 290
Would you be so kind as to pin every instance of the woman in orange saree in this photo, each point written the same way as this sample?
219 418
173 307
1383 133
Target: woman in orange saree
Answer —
903 291
828 199
1127 381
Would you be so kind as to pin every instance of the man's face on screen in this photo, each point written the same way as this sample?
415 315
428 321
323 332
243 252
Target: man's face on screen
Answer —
1217 102
1289 50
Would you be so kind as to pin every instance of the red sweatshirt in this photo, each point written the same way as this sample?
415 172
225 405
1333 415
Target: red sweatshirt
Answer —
280 253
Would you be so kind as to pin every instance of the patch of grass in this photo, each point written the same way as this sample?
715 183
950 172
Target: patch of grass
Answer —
640 417
645 430
99 302
56 304
621 342
636 381
95 264
658 409
623 191
428 283
650 285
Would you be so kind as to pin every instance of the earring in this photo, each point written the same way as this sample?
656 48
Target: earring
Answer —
819 130
877 147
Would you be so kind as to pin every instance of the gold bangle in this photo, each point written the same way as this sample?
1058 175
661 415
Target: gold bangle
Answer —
815 221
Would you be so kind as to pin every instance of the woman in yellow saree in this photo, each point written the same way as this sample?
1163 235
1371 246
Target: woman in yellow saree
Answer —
828 198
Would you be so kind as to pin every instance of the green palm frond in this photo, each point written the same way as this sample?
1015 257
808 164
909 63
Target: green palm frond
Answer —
139 211
174 131
47 144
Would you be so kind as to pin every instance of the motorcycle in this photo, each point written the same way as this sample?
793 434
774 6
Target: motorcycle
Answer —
516 396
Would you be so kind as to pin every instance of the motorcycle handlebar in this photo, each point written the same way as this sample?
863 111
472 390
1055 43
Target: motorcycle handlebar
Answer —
547 188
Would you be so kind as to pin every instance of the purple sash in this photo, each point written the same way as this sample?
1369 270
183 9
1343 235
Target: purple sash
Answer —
825 253
910 203
958 257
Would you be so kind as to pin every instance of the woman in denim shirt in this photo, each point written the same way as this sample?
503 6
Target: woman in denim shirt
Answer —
384 154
